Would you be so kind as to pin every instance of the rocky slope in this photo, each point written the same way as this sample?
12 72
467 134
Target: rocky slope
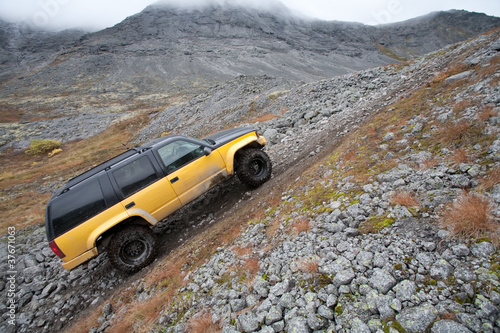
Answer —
149 60
334 252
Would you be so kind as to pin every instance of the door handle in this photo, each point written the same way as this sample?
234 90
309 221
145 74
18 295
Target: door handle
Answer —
130 205
173 180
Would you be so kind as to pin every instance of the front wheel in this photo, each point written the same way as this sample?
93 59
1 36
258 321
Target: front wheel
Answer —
254 167
132 248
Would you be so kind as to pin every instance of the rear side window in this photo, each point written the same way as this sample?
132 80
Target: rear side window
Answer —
135 176
76 206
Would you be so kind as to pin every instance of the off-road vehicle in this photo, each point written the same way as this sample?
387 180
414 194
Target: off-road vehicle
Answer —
113 205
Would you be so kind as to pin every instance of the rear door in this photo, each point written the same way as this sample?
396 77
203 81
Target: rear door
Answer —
190 170
144 189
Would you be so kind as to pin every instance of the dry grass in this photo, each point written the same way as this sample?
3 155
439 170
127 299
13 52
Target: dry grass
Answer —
310 266
491 179
251 266
451 133
203 323
300 225
165 274
405 198
459 156
452 70
242 251
86 323
140 316
430 163
462 106
273 227
263 117
486 113
470 216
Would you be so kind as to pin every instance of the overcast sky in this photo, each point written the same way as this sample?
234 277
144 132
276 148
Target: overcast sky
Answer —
99 14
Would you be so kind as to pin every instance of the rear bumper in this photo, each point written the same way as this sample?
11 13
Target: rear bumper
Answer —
82 258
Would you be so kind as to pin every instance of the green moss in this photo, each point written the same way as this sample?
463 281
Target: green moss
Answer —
324 280
375 224
41 147
397 326
398 266
338 309
432 282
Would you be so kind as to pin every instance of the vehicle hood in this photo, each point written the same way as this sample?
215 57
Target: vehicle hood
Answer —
223 137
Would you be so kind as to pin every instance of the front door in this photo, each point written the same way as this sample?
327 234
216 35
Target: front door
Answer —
190 171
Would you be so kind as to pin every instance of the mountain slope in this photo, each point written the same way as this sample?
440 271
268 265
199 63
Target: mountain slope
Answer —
164 52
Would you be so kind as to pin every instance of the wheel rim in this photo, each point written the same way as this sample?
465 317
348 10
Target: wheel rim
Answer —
134 251
257 167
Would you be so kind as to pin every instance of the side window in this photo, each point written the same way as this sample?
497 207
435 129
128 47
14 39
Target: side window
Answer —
179 153
135 176
77 205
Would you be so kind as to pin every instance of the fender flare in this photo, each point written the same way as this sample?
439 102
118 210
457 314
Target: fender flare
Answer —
256 142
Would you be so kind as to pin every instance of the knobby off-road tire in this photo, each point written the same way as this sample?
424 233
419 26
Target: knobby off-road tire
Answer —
254 167
132 248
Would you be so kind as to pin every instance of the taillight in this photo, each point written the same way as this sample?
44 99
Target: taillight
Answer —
56 249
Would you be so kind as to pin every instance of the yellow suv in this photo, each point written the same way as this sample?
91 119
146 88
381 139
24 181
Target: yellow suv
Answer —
113 205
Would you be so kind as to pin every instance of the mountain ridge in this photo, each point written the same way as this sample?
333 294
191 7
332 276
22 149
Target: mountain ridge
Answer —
153 56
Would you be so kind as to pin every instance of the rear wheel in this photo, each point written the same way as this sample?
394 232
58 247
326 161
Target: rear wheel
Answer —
132 248
254 167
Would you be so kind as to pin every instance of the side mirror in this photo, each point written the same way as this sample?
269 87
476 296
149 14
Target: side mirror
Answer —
207 151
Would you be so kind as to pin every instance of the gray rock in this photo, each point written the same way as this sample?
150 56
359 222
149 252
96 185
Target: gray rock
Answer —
279 326
358 326
316 322
261 287
325 312
344 277
298 325
426 259
482 250
417 319
384 307
460 181
287 301
471 322
266 329
237 304
441 270
382 280
248 322
31 272
351 232
340 264
405 290
460 250
275 314
280 288
464 273
449 326
364 258
486 309
459 76
388 137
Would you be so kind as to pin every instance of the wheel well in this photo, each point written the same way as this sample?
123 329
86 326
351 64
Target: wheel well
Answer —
253 144
104 238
